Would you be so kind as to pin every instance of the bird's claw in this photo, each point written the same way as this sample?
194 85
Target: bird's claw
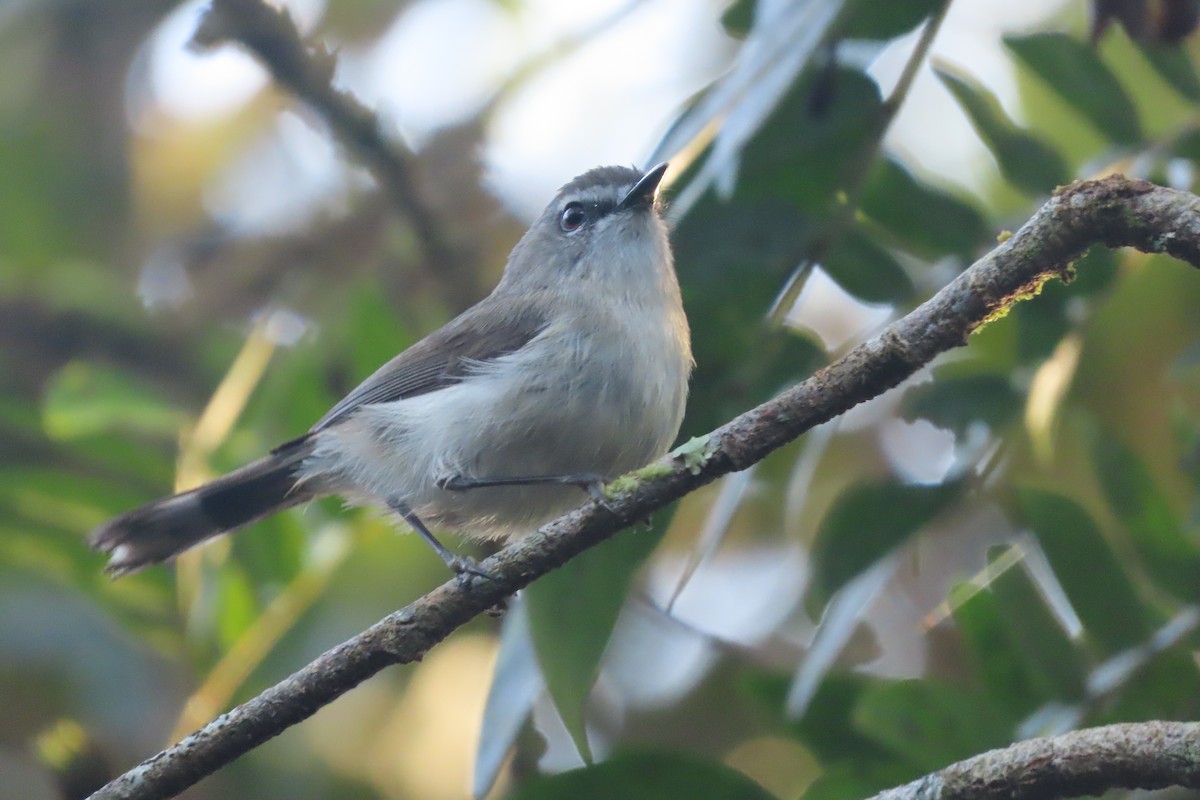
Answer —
466 567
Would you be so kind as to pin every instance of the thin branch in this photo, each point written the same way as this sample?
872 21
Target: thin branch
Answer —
307 70
916 59
38 340
1114 211
856 180
1144 755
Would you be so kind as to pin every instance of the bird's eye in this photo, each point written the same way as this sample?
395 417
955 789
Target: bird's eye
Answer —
573 217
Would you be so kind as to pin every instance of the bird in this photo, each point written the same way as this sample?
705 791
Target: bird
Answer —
571 372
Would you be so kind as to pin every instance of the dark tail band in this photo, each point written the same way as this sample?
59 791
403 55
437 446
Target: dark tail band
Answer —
164 528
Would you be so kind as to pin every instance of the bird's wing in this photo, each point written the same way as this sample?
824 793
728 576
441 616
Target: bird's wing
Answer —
482 333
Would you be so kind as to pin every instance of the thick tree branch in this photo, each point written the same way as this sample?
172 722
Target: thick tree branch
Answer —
1145 755
1114 211
307 71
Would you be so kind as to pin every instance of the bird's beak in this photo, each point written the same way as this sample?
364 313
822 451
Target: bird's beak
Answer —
642 193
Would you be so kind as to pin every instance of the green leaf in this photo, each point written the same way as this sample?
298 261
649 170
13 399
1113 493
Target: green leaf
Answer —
1042 323
572 612
874 20
1025 161
86 399
773 360
741 249
746 247
827 727
865 523
1094 272
932 724
236 607
1172 559
1097 585
1174 65
1054 663
1186 145
45 212
745 250
856 780
956 403
930 222
1075 73
275 552
986 639
805 156
739 18
868 271
292 395
782 358
1166 688
645 776
374 329
46 509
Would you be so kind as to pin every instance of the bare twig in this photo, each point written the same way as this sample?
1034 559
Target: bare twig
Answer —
307 70
856 180
1114 211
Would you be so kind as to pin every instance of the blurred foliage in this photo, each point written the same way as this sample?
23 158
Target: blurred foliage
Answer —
1007 545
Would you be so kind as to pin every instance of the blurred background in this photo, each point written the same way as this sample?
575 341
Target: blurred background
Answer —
197 259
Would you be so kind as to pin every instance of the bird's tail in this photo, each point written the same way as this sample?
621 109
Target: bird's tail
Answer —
166 527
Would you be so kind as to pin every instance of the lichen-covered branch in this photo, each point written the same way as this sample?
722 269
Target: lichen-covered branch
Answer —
1143 755
1113 211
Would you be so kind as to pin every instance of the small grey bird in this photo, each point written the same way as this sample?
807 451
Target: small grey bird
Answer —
571 372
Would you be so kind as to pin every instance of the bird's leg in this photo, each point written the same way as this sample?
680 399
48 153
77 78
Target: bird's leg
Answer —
589 482
459 565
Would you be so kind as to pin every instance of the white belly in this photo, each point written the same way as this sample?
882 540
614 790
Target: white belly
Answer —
561 418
